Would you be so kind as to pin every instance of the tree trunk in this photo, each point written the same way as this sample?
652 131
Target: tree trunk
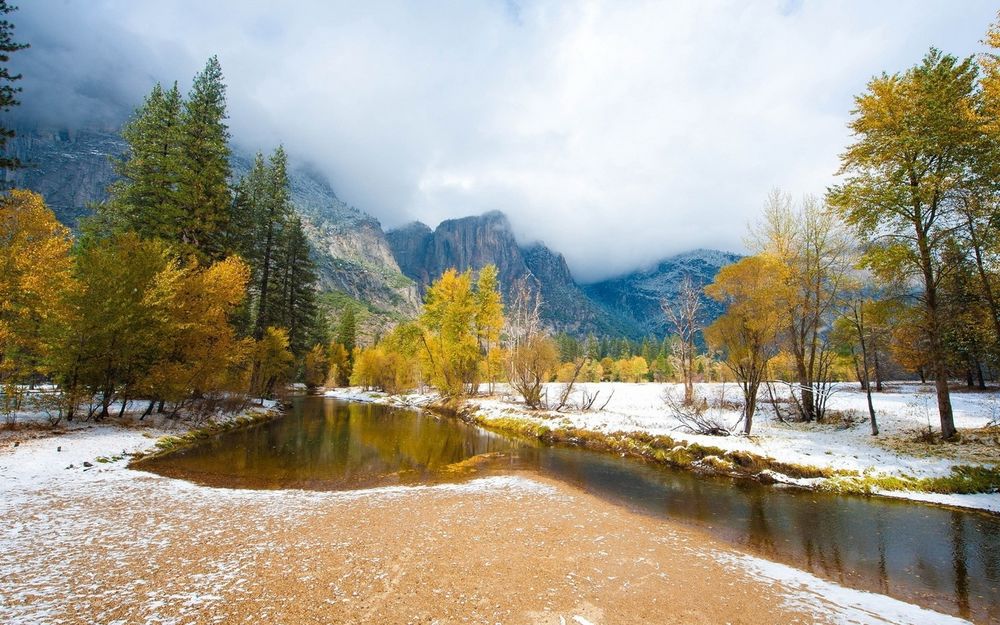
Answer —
980 376
938 357
864 366
149 409
105 402
878 372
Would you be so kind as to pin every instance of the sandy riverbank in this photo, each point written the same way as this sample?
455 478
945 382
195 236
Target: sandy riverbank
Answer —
112 545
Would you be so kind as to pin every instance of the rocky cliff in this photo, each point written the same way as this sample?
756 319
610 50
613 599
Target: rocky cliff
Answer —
473 242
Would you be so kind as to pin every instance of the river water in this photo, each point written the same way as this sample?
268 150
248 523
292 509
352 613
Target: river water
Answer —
943 559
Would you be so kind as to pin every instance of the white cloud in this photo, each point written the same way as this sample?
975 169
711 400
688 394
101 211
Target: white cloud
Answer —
617 132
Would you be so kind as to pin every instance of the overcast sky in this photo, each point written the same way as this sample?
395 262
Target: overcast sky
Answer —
617 132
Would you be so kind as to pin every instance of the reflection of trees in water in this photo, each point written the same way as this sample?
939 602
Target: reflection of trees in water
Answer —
960 563
883 572
759 535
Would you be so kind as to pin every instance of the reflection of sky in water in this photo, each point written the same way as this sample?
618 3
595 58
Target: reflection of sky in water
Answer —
943 559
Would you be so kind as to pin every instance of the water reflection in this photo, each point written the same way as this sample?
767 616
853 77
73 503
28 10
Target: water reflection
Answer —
943 559
333 445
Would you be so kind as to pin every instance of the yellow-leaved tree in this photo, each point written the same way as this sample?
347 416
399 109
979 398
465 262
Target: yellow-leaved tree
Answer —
489 323
202 356
755 291
450 350
34 265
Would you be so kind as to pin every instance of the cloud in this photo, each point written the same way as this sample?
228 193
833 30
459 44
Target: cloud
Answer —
617 132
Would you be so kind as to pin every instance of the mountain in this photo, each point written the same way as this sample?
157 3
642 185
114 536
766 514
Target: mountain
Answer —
473 242
384 274
635 297
72 169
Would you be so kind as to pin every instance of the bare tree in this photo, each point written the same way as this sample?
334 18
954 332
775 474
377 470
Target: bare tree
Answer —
819 252
531 356
699 416
684 317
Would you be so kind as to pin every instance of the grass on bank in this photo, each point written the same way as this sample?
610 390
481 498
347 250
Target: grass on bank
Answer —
662 449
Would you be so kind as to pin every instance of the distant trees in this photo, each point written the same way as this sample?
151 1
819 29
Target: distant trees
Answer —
452 345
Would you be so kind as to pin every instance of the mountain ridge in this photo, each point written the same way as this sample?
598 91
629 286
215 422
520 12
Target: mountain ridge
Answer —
385 273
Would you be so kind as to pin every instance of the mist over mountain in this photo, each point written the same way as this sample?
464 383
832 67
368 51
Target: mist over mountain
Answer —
386 273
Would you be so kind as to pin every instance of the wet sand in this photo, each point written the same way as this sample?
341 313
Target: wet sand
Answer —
112 545
500 551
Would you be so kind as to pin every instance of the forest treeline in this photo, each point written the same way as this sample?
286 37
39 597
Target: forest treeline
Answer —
183 289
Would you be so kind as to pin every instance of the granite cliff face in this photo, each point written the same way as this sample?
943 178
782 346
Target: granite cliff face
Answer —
473 242
72 169
635 297
69 168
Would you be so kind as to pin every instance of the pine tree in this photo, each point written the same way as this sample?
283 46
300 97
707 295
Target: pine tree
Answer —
264 206
203 187
294 288
145 198
8 92
347 331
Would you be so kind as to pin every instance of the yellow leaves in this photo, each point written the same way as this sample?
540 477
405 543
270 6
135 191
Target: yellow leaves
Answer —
755 291
459 326
34 267
274 360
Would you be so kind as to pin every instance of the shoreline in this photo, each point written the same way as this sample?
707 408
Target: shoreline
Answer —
673 451
170 549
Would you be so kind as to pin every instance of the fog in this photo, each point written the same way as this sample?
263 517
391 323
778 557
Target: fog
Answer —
616 132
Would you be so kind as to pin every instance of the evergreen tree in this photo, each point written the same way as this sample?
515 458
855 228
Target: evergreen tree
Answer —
203 190
347 331
8 92
294 288
145 197
257 222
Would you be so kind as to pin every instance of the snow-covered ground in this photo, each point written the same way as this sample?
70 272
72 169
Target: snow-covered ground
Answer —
44 483
902 412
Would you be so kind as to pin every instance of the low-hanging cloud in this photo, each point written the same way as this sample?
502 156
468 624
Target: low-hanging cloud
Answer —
617 132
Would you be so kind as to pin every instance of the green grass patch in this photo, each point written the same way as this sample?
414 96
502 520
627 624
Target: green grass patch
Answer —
665 450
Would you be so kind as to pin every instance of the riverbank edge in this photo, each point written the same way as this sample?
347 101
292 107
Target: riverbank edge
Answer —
171 443
942 491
